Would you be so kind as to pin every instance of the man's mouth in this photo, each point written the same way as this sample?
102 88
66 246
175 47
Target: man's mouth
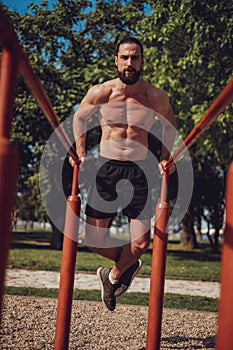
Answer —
130 71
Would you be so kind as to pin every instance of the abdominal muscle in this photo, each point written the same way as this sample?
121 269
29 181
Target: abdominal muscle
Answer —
120 145
125 128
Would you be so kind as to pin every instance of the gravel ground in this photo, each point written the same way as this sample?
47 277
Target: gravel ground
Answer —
29 324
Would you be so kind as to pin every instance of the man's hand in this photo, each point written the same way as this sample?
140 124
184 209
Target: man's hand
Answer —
162 165
82 161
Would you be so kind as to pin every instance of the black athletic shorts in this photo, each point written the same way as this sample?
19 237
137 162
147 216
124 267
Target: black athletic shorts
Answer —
120 185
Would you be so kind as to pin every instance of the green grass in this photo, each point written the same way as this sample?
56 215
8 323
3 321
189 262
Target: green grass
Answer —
31 251
179 265
174 301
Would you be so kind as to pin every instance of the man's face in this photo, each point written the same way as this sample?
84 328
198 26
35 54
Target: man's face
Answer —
129 63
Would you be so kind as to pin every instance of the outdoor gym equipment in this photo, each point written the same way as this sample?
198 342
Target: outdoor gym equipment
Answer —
14 61
225 317
162 213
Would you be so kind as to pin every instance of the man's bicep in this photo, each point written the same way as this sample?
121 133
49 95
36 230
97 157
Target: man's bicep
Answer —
170 116
85 110
80 118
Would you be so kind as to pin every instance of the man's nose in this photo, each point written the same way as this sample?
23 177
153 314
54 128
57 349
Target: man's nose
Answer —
129 62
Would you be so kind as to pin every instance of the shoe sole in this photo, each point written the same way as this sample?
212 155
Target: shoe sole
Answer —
136 271
98 273
101 283
134 274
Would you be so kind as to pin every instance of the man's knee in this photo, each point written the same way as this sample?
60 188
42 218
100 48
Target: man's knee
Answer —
141 245
96 232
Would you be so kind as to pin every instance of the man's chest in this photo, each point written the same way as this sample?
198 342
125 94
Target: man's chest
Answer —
127 113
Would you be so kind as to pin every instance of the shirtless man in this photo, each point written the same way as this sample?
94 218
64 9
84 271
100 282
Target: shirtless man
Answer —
126 107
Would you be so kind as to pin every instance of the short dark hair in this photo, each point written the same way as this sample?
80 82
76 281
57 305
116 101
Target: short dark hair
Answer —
129 40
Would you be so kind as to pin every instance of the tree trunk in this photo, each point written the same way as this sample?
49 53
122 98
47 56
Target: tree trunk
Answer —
56 242
188 237
199 233
216 241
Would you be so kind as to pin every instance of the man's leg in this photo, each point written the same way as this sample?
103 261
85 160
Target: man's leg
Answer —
140 241
97 239
139 245
124 257
99 242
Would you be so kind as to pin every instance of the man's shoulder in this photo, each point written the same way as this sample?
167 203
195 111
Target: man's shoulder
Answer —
153 90
100 93
155 94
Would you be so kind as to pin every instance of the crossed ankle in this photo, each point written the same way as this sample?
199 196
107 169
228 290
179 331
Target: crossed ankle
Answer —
111 279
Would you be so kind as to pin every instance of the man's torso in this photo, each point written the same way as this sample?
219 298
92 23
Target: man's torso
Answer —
125 122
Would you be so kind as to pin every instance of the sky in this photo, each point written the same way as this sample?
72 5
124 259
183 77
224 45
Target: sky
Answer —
19 5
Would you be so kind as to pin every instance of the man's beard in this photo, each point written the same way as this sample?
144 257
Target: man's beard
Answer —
131 79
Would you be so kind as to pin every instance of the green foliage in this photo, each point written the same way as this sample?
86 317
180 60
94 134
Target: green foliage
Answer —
188 52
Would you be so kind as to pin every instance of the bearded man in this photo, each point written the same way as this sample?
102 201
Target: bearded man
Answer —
126 107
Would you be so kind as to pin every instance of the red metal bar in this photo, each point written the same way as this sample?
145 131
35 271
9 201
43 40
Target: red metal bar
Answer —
225 320
164 187
68 267
162 215
73 202
217 107
8 177
43 101
8 154
158 268
75 185
8 88
33 82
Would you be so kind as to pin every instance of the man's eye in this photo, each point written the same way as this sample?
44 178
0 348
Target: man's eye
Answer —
127 57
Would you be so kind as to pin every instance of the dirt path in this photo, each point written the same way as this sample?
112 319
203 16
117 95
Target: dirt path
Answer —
48 279
29 324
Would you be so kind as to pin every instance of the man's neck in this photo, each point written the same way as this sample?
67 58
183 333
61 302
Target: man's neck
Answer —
128 90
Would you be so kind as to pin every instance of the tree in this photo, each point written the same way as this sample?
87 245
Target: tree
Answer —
191 52
188 53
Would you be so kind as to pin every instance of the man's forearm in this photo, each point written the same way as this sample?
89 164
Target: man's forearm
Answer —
81 116
80 137
168 138
81 147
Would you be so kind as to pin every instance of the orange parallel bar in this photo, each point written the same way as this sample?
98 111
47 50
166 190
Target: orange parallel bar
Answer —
8 82
158 268
65 297
8 155
34 84
8 178
217 107
225 319
73 202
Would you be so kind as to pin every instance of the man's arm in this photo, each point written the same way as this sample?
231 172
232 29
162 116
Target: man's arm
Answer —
88 106
167 119
168 137
168 134
81 116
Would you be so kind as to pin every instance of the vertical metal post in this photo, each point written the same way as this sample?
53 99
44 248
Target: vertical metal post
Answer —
158 270
68 267
225 320
8 154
